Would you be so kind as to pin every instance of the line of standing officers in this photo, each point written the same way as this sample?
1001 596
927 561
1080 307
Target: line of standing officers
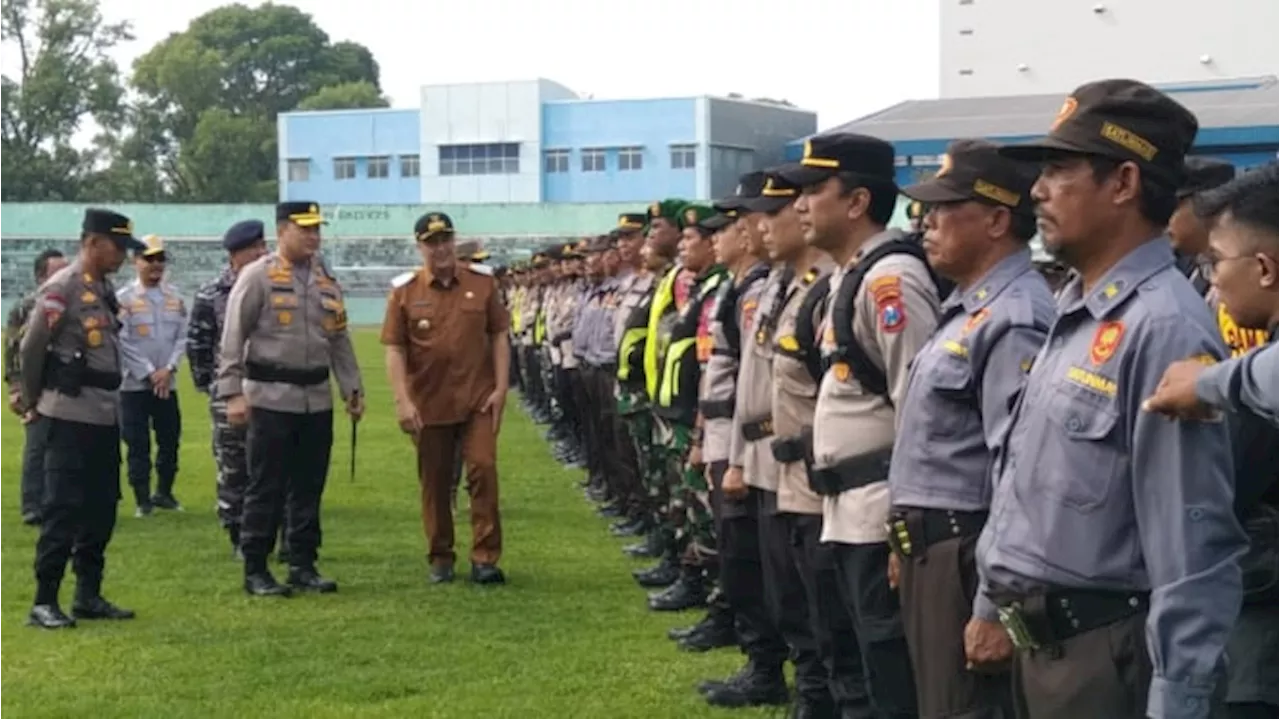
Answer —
898 461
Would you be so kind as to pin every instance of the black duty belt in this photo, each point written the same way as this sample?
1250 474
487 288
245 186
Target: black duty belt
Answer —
261 372
913 530
1042 621
717 408
100 379
850 473
757 430
793 449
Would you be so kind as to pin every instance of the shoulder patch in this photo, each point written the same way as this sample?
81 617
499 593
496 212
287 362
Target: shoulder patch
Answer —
403 279
480 269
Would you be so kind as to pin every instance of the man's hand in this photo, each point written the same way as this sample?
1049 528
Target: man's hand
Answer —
29 416
695 456
495 404
1175 396
895 566
237 411
15 401
160 382
355 406
734 487
408 417
986 643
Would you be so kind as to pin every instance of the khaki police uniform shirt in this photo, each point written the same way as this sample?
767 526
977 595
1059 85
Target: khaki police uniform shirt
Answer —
894 315
292 317
529 314
71 315
795 395
632 288
755 396
720 376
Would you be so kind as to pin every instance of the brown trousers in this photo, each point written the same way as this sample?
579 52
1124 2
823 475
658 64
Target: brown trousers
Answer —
937 588
438 448
1102 673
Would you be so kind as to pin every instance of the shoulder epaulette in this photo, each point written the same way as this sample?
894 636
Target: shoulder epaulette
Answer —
403 279
480 269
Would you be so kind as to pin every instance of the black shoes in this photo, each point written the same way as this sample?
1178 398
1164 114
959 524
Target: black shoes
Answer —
307 579
31 519
165 501
659 575
487 574
99 608
262 584
441 573
49 616
144 510
688 592
755 685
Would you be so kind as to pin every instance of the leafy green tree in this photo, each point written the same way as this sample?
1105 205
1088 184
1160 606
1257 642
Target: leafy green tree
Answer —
347 96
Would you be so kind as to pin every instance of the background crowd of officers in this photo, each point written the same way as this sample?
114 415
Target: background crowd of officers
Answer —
904 462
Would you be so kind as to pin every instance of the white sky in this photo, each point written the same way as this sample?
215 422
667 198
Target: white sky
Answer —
841 58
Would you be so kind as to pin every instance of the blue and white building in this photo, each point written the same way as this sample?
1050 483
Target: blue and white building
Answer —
531 142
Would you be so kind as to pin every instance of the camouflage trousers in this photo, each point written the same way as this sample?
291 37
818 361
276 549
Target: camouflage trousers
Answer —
635 416
690 509
229 458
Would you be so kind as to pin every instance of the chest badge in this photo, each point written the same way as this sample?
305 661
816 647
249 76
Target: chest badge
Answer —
143 330
841 371
88 297
93 338
1105 342
285 318
424 325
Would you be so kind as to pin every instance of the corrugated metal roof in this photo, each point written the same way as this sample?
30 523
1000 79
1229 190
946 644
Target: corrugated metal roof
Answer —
1243 102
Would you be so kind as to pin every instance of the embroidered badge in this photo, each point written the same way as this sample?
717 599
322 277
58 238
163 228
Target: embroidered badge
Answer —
1105 342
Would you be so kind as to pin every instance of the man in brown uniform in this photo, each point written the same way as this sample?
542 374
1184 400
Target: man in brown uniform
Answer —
448 361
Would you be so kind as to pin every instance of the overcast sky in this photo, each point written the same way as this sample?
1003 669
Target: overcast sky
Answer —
842 58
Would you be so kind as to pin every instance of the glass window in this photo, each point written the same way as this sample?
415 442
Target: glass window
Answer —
378 168
631 158
499 158
593 160
409 166
556 161
684 157
344 168
299 170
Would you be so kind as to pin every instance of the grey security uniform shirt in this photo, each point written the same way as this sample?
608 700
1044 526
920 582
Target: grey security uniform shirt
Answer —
1244 384
292 317
962 386
72 315
720 377
1094 493
795 392
849 421
631 287
153 333
601 330
754 392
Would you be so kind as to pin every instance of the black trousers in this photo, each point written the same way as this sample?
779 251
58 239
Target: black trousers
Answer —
742 579
589 407
33 465
140 414
81 490
288 457
863 571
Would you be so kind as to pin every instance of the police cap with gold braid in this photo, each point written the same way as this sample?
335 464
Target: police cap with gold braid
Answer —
777 193
431 224
867 158
302 214
629 222
113 225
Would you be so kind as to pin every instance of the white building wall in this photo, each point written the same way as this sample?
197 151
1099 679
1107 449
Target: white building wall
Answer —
484 113
1020 47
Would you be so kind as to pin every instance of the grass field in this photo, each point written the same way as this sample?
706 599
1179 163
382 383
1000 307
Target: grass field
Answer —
569 636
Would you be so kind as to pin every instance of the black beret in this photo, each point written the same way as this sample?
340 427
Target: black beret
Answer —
242 234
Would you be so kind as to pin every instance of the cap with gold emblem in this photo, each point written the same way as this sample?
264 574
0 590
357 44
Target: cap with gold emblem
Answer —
629 222
975 170
863 156
749 186
113 225
693 215
431 224
302 214
668 209
154 247
777 193
1124 120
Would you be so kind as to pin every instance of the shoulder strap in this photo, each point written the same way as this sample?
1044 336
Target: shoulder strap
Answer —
848 350
806 329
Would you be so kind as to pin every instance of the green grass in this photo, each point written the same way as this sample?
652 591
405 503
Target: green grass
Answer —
568 636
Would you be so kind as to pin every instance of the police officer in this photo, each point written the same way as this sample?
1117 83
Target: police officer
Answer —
286 330
71 377
244 242
445 333
153 339
1111 529
882 309
1241 262
46 263
979 220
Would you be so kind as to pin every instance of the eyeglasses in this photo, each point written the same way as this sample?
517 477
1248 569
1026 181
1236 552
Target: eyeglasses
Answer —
1208 264
154 259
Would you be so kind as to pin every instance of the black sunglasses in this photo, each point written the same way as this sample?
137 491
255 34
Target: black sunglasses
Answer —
152 259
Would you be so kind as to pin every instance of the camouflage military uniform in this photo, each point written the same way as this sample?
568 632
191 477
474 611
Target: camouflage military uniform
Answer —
207 315
33 449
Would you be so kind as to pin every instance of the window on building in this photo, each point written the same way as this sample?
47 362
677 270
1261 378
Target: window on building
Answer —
409 166
344 168
593 160
556 161
631 158
684 157
498 158
299 170
378 168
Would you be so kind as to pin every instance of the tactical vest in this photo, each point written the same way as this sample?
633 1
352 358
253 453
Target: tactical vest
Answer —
803 345
847 349
681 368
727 306
664 301
631 348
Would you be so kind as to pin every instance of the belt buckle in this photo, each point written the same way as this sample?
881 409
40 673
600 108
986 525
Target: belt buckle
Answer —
899 537
1015 625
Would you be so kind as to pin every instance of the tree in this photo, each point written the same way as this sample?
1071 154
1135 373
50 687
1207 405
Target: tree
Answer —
347 96
209 96
63 78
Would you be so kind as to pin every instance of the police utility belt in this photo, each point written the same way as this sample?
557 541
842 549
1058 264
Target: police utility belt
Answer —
850 473
913 530
757 430
799 448
68 377
264 372
1044 621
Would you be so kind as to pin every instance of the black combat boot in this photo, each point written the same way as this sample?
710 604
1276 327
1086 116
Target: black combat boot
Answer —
688 592
305 578
258 581
662 574
759 685
89 603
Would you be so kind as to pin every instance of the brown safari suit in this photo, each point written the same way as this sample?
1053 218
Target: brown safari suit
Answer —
446 329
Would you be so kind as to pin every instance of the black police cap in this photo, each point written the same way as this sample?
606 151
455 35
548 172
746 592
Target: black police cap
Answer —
432 223
301 213
863 156
749 186
243 234
777 193
113 225
1204 173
